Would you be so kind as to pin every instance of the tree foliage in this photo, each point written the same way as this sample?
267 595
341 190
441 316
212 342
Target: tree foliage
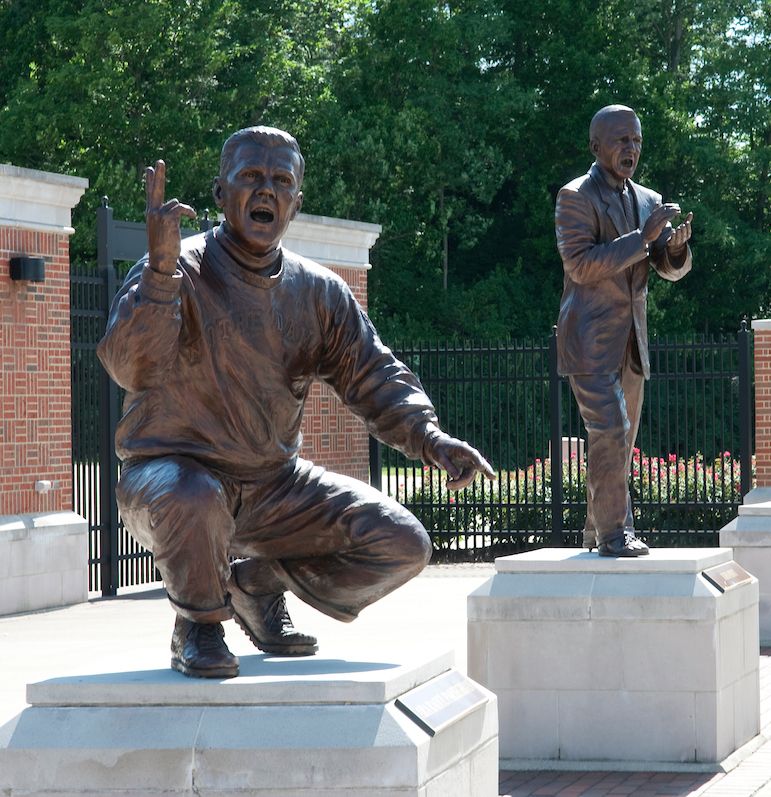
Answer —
452 124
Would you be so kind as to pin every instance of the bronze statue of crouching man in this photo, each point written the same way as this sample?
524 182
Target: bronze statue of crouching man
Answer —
217 339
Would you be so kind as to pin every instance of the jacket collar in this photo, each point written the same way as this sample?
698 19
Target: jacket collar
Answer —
609 198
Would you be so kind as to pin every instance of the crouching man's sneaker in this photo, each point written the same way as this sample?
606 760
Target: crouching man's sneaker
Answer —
266 621
198 650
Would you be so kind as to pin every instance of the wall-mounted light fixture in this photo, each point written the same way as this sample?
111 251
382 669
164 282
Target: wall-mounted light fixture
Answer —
31 269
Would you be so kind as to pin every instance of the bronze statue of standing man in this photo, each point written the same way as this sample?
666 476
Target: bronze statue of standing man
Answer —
610 231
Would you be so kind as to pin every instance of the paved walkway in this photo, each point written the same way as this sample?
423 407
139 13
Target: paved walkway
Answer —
132 632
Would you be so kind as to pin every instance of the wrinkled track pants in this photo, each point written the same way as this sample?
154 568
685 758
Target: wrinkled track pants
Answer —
335 542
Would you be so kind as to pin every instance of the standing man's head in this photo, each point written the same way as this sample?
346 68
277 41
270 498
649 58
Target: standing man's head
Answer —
258 187
615 140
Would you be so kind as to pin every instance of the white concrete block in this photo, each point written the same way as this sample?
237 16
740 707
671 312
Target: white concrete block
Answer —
479 641
751 637
456 781
544 654
736 599
304 681
652 597
747 531
346 746
331 241
730 661
650 644
626 726
749 535
746 703
712 732
448 748
5 557
27 593
49 751
758 495
39 558
666 657
484 769
755 560
575 560
531 720
312 728
12 593
38 200
74 586
530 596
725 733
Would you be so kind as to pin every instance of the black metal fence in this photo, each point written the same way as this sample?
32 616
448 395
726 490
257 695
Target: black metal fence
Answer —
692 467
115 559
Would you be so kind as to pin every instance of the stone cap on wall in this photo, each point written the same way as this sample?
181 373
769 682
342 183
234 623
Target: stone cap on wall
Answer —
37 200
331 241
761 324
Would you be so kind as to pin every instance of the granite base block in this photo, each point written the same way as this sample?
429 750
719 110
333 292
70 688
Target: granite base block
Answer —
621 660
749 537
327 727
43 561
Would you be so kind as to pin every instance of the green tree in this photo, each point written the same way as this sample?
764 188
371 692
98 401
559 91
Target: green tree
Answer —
413 140
453 124
102 88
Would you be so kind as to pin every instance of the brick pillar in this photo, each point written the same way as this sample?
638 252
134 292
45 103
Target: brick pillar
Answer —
749 533
35 425
762 345
333 436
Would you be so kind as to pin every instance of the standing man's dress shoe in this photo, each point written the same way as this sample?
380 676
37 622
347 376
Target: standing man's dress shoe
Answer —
628 545
590 539
198 650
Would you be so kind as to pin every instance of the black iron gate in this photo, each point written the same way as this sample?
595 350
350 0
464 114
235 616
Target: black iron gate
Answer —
115 559
692 467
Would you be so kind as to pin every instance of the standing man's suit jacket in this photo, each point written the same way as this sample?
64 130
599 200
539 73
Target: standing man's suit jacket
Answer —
606 275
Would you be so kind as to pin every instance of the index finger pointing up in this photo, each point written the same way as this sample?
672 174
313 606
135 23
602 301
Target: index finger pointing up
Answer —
155 184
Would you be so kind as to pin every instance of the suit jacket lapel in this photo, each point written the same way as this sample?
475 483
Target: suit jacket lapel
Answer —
645 203
611 201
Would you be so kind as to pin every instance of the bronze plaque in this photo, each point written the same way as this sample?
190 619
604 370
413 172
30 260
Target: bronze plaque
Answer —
441 701
727 576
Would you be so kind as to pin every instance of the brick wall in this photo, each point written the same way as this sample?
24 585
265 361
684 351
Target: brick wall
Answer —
332 435
762 402
35 408
35 378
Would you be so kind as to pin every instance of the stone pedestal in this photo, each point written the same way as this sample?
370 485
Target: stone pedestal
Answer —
43 561
749 535
617 660
311 727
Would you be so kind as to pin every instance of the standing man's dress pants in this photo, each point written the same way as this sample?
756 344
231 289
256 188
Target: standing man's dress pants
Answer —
334 541
610 406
